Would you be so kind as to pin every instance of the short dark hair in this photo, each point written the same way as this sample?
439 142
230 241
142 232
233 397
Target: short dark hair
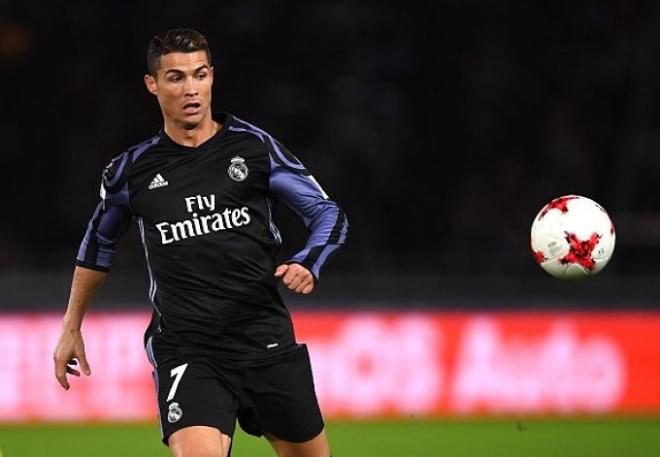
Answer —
175 40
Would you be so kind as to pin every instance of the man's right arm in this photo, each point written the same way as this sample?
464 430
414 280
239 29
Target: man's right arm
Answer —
109 222
70 349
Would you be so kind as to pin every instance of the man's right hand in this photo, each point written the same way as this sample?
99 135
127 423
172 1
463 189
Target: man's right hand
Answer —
69 352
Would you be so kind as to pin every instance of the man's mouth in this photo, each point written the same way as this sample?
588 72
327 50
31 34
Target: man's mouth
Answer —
192 108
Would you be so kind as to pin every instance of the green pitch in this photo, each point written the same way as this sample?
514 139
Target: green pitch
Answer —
412 438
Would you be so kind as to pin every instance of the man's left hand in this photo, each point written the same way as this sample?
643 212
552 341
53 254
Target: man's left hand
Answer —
296 277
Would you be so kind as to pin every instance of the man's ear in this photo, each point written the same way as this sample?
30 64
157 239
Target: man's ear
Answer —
150 82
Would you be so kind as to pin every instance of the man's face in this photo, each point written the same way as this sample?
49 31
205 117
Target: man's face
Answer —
183 87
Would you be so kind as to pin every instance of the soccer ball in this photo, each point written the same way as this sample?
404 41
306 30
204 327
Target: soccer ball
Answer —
572 237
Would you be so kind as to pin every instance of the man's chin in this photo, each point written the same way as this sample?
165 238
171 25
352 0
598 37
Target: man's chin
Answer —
189 125
191 122
188 122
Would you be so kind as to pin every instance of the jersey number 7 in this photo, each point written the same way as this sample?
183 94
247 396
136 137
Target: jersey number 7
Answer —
177 374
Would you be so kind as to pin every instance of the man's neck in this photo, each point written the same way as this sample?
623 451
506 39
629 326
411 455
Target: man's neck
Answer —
195 136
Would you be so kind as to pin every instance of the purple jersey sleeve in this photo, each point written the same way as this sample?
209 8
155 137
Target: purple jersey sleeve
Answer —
291 183
110 220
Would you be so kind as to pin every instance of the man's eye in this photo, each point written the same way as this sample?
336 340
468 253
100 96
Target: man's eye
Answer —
175 79
201 75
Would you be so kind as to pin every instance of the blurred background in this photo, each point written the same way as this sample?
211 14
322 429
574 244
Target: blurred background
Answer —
441 128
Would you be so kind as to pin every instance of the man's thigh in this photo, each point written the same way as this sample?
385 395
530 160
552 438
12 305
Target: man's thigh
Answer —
191 394
280 400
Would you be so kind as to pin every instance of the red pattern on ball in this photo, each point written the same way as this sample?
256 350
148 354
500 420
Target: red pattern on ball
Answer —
581 251
539 257
560 203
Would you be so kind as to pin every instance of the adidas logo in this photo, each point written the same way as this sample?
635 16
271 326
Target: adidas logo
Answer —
158 182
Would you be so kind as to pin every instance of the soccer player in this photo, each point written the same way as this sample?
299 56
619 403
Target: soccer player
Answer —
202 190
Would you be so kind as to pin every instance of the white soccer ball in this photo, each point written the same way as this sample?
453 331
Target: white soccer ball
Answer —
572 237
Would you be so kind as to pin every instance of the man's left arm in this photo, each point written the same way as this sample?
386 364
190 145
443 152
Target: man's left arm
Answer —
328 226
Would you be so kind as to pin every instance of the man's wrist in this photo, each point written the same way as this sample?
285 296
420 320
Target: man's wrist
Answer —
71 325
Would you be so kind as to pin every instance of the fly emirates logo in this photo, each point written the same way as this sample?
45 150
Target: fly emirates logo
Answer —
205 224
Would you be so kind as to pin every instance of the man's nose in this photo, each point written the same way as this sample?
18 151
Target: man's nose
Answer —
190 86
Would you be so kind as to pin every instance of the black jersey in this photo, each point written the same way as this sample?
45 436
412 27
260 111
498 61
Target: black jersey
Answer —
206 224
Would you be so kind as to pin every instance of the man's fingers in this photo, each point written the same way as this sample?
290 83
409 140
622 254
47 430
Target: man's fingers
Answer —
305 285
296 277
62 369
309 283
70 353
295 282
281 270
306 279
289 277
64 382
60 374
84 364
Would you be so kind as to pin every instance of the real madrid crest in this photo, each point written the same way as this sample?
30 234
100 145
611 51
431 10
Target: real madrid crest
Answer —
238 171
174 413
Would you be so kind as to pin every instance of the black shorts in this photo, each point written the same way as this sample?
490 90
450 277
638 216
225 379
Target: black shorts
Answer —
275 398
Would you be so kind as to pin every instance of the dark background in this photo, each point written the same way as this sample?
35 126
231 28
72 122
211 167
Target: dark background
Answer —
440 127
